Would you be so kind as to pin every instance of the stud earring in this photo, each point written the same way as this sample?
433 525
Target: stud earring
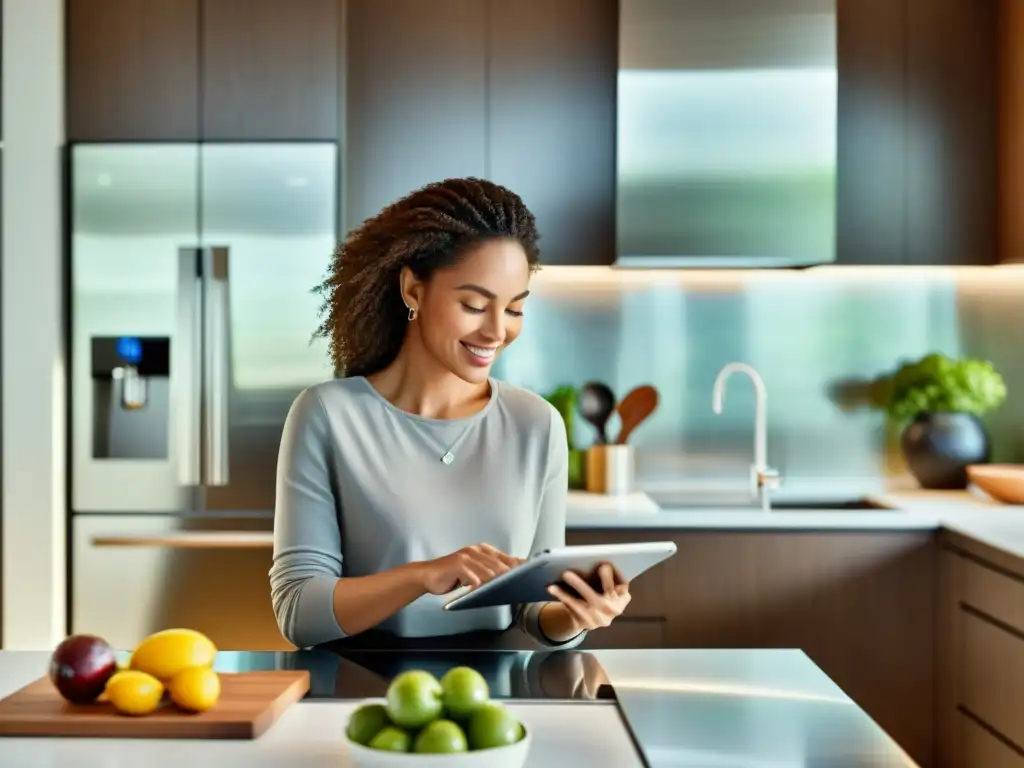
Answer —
412 314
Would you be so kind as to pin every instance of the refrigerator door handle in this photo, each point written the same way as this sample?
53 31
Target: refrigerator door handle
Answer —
187 366
216 368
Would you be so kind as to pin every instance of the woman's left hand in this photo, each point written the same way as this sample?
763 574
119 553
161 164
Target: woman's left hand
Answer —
594 609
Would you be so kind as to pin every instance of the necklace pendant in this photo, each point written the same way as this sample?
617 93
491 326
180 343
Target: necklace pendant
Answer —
448 458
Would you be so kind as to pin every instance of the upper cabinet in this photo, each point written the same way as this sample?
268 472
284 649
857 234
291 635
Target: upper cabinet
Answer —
951 122
551 119
415 98
522 93
184 70
917 152
270 69
132 70
929 163
870 121
1011 130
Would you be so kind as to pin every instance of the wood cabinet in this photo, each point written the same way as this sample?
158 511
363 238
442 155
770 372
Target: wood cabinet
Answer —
521 93
917 154
184 70
415 98
525 93
629 633
980 663
270 69
1011 130
551 119
132 70
950 145
860 605
929 154
646 622
984 748
870 118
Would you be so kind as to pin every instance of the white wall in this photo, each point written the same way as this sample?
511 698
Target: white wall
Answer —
33 512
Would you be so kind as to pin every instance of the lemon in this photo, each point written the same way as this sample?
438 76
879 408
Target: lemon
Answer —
195 689
166 653
132 692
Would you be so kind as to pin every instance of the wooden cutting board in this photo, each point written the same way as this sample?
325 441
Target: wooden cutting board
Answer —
249 703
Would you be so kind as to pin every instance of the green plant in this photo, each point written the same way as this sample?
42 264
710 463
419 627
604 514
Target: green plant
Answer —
565 398
937 383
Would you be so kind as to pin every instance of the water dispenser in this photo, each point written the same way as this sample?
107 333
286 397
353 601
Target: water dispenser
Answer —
131 397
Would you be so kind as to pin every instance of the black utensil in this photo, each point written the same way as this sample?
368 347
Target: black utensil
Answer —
597 404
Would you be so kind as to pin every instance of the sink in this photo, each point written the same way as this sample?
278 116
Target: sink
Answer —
681 502
850 505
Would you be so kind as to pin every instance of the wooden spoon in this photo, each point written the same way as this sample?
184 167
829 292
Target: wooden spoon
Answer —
634 408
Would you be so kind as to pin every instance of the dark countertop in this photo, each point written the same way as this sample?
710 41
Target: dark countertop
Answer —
511 675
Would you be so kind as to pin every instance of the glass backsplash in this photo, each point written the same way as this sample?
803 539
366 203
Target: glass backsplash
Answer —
813 335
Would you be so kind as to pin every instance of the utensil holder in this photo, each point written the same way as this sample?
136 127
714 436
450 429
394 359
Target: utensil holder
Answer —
610 469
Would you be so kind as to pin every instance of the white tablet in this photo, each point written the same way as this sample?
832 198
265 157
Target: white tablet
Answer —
529 582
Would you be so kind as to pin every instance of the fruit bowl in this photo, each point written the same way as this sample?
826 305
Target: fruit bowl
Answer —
511 756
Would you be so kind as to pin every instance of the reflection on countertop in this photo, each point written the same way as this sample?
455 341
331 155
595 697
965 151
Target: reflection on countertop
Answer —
732 707
519 675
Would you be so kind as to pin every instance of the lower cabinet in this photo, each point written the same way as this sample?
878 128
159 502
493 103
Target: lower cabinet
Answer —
980 663
861 605
981 747
133 575
629 633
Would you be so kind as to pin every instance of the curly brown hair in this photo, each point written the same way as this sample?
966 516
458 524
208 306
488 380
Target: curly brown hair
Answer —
363 316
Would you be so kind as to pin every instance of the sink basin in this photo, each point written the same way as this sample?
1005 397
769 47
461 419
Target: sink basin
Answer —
704 503
850 505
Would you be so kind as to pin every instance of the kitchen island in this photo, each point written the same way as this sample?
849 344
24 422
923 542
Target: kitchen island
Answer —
860 579
617 708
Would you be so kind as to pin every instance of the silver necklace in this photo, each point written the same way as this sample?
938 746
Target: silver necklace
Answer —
449 455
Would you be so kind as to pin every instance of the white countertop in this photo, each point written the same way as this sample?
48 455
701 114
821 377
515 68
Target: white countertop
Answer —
726 518
308 734
896 510
969 519
965 513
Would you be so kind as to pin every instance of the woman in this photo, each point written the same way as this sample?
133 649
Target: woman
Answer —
417 471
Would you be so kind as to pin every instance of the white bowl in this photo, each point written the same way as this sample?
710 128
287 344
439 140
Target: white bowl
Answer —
512 756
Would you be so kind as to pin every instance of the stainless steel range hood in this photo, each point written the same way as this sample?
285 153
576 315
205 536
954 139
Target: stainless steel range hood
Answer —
726 133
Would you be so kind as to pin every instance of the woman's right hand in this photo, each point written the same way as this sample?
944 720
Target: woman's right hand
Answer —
470 566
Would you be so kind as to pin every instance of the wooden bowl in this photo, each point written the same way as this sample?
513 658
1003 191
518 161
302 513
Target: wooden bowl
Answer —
1003 482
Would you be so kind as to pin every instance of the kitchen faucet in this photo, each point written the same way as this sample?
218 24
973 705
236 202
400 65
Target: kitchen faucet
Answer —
762 477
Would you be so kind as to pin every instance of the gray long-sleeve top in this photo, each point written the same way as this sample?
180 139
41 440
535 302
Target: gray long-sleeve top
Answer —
362 488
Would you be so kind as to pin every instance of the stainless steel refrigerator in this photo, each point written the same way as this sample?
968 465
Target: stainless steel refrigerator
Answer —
192 269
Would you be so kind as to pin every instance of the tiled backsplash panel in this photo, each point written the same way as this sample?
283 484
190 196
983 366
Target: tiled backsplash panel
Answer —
807 333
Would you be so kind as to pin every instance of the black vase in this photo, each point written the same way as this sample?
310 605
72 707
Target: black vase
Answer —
938 447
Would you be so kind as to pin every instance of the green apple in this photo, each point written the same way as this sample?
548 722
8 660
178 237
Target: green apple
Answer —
391 739
414 698
441 737
492 725
465 691
366 722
